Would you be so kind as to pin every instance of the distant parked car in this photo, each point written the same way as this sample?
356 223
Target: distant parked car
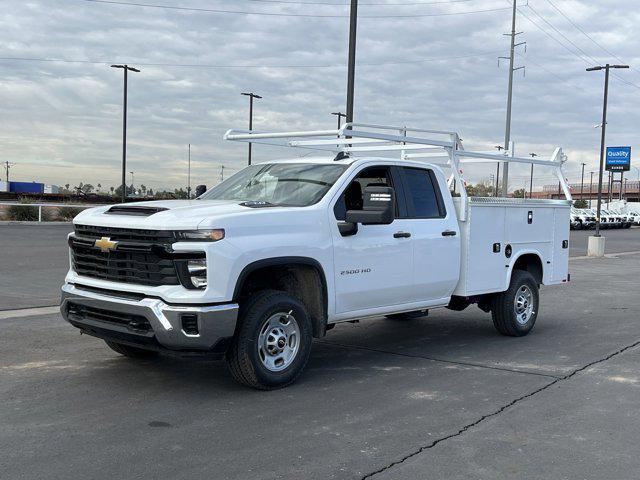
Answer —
581 219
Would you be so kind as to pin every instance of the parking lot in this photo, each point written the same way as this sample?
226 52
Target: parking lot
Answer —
443 396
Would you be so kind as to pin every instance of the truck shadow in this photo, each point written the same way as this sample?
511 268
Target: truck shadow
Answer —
349 352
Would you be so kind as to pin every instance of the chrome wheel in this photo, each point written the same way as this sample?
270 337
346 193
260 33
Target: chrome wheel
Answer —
279 341
523 306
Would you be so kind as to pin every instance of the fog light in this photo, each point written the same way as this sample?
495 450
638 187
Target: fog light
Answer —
190 324
197 269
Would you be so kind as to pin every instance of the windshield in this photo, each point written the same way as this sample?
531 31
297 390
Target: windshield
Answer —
278 184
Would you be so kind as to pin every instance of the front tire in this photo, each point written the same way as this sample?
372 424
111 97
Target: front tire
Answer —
129 351
272 343
515 311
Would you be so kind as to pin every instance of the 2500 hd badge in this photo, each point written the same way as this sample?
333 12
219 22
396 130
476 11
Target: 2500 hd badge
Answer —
356 271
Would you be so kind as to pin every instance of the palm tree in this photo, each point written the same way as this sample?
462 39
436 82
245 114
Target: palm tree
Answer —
99 186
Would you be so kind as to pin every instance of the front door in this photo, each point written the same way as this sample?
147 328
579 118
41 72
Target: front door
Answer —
373 268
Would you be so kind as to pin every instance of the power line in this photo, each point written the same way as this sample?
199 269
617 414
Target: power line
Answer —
609 52
562 35
580 56
278 14
197 65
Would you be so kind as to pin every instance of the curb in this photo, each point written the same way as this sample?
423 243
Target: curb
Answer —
16 222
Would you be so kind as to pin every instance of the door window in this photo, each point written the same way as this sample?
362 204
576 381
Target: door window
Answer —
352 199
422 194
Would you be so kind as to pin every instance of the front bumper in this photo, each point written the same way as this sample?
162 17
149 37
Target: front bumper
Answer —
149 322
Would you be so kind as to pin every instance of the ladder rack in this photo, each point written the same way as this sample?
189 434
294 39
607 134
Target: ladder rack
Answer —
438 147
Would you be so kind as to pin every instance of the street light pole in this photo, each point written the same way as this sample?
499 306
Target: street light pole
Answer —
251 96
606 68
132 187
351 73
582 182
189 174
340 115
126 69
498 147
533 155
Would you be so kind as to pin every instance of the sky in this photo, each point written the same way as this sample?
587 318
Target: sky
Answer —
422 63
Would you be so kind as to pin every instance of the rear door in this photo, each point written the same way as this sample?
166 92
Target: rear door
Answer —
435 234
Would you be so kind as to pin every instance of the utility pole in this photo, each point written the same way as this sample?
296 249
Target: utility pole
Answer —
351 73
251 96
590 189
532 155
126 69
507 134
189 174
340 115
582 182
7 166
606 68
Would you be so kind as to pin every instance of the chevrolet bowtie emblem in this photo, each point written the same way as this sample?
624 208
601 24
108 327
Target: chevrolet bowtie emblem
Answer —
105 244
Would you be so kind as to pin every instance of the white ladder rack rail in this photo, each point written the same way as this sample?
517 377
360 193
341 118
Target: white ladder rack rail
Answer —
445 151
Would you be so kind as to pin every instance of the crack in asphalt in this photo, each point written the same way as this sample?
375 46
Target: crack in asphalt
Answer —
441 360
497 412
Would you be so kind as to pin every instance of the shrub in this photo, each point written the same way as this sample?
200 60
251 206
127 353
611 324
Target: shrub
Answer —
68 213
26 213
22 213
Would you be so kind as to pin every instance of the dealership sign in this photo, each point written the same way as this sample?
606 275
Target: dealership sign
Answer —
618 158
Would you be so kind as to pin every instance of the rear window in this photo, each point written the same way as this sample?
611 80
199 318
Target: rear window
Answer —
423 194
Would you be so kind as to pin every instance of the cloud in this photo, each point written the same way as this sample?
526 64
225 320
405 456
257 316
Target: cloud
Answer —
62 121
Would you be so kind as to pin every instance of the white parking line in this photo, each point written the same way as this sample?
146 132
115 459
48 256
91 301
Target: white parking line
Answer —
607 255
28 312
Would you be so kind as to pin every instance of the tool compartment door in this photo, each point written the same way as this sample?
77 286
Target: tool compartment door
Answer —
560 260
483 265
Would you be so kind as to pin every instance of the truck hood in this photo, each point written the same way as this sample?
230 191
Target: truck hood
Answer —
160 215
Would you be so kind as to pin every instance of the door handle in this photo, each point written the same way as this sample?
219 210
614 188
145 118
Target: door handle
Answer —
401 235
449 233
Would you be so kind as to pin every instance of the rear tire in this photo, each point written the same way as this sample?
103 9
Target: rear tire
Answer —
515 311
129 351
272 342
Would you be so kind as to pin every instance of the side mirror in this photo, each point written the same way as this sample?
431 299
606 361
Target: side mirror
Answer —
378 208
200 189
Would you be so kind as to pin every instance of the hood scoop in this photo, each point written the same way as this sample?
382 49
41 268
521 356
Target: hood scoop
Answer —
257 204
134 211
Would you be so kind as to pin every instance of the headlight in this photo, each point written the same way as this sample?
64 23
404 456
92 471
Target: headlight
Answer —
197 270
201 235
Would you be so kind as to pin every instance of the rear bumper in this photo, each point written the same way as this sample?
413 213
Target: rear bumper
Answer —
149 322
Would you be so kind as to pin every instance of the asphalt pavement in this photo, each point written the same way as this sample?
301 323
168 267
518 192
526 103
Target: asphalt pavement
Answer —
34 259
443 396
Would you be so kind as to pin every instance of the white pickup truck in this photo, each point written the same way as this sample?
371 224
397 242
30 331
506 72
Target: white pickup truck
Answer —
256 267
